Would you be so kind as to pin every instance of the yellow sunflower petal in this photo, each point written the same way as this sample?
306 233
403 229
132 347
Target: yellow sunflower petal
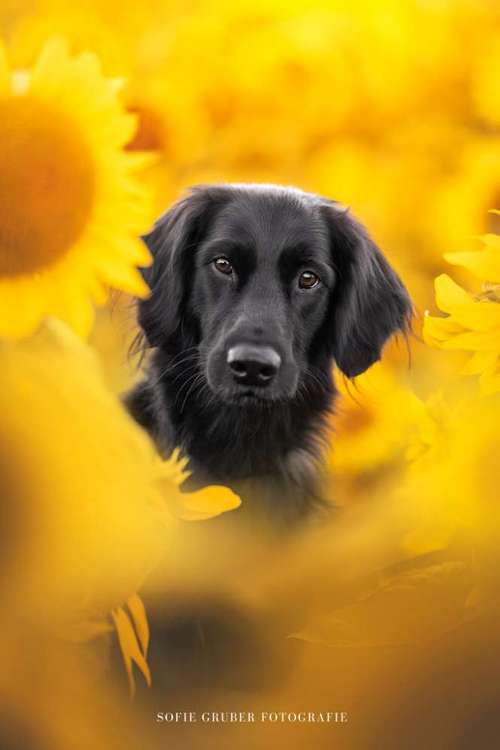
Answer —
130 648
138 612
206 503
449 294
485 264
479 362
139 160
437 330
474 340
173 469
75 308
479 315
490 381
123 277
20 311
50 64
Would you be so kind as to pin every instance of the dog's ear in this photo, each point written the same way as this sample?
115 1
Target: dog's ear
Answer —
369 301
172 242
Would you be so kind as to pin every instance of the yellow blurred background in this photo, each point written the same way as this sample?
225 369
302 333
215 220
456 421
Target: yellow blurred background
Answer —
390 613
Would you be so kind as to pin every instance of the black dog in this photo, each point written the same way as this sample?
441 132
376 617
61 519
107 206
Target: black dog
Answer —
256 291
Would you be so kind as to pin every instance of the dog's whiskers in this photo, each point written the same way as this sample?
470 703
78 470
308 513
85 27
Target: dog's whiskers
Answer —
187 383
179 364
179 359
193 383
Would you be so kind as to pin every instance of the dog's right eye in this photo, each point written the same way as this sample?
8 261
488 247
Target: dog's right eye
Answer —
223 266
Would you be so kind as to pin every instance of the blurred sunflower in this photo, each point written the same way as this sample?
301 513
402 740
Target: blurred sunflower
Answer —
71 208
91 522
463 196
374 424
455 485
82 526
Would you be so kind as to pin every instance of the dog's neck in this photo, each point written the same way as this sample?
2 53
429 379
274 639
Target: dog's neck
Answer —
273 448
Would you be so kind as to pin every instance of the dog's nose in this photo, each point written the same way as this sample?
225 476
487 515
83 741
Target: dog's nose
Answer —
253 365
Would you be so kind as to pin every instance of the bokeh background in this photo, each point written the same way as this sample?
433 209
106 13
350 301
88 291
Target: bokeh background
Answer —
391 612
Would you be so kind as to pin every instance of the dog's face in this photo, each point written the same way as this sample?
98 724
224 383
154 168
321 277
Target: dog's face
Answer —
263 277
268 285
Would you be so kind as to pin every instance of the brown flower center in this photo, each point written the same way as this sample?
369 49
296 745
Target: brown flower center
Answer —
47 185
353 421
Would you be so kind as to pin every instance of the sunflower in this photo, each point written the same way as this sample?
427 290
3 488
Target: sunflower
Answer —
456 485
461 199
473 324
71 208
375 423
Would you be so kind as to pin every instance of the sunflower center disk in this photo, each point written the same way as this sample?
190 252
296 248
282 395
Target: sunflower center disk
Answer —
47 184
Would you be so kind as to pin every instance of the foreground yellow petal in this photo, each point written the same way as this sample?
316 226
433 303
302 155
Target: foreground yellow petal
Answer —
200 505
206 503
86 524
130 648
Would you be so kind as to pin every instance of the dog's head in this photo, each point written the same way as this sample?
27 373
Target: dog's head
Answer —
267 284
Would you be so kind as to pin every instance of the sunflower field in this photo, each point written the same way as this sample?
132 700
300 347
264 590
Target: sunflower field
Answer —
388 615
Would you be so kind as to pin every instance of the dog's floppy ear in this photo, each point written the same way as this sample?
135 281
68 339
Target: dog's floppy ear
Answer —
369 301
172 242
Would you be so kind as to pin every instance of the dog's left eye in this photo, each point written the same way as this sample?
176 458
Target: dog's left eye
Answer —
308 280
223 265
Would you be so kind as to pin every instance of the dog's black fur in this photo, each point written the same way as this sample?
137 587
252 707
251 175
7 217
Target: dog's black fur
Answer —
263 442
